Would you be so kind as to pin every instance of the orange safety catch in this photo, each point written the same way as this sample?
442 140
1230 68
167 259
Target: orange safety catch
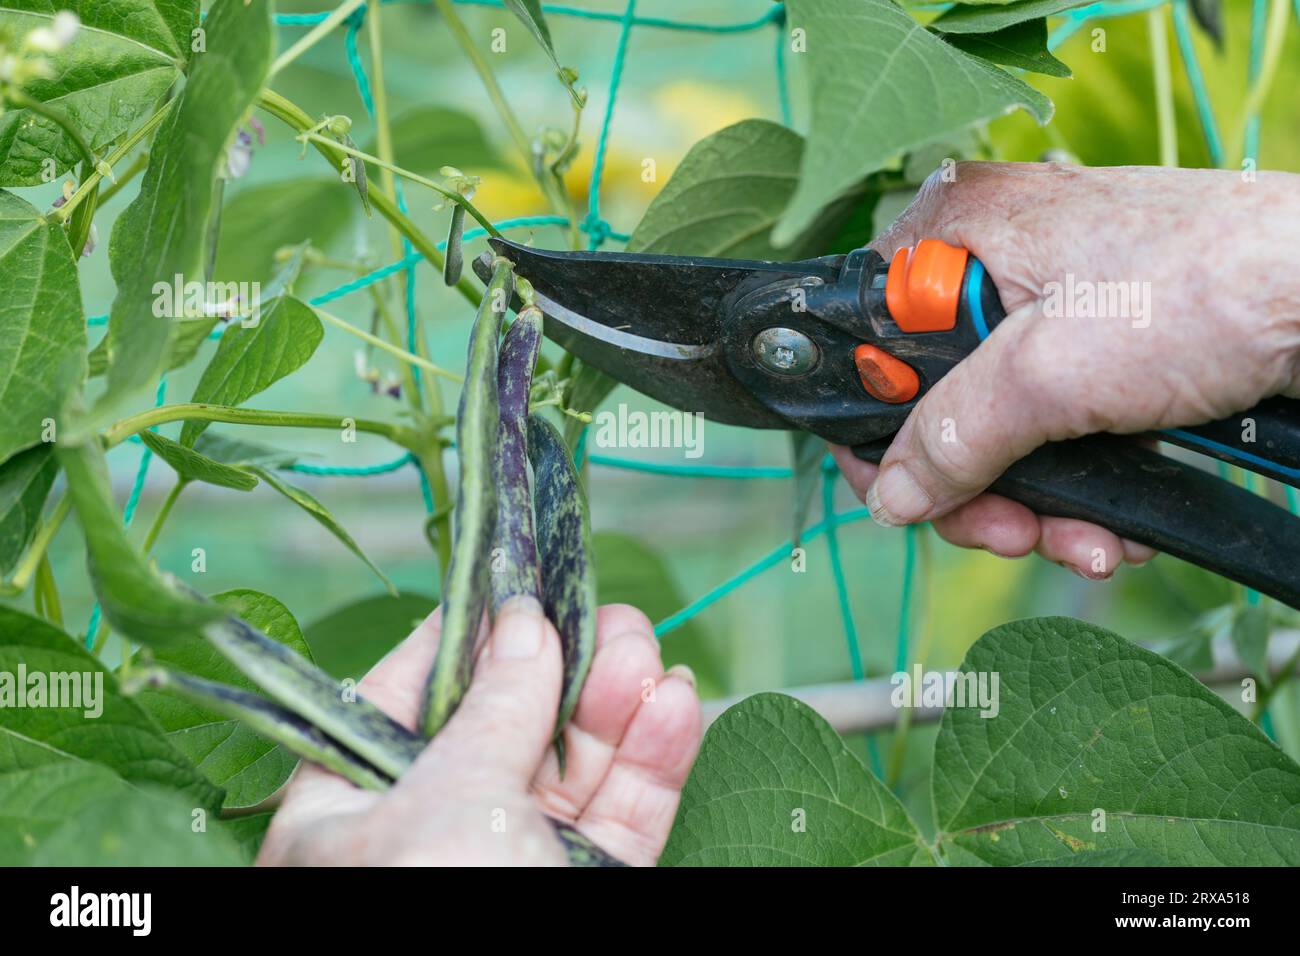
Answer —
884 377
924 286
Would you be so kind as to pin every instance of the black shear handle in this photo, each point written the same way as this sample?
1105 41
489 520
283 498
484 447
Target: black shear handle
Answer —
1264 439
1166 504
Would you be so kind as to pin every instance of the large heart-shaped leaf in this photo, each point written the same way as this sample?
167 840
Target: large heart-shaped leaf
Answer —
54 760
775 786
25 482
729 191
1094 731
247 766
1090 750
905 87
140 828
251 359
726 195
161 234
42 328
123 59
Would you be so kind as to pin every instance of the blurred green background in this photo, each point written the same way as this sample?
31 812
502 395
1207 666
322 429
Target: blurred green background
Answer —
661 541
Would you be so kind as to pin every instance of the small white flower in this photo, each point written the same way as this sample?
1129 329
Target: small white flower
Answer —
359 364
41 40
53 38
239 157
65 26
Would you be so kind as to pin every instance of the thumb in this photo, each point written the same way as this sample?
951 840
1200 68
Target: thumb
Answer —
502 727
967 429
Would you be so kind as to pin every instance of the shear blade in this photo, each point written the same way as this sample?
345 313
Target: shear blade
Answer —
651 321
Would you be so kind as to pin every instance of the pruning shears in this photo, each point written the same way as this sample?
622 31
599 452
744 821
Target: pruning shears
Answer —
844 346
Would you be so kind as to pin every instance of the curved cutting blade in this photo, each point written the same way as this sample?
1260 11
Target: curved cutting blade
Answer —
651 321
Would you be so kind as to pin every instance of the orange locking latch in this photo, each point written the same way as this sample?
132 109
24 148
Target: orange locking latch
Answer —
884 377
924 286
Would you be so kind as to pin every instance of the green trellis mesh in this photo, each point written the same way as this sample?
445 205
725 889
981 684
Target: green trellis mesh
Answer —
599 232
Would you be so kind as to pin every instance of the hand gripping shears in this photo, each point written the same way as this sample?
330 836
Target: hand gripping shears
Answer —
844 346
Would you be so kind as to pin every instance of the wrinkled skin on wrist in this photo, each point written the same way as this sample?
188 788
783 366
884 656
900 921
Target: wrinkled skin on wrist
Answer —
1222 331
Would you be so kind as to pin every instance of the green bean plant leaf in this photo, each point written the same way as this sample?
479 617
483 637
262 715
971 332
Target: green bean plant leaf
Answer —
1250 632
774 785
248 767
57 761
161 234
135 599
1208 15
1089 722
428 137
42 327
189 465
530 15
121 62
977 17
148 827
1088 749
1022 46
256 222
349 640
241 452
916 88
728 193
633 572
25 481
309 504
251 357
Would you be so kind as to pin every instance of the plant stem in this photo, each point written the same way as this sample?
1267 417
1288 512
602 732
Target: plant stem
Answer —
315 35
406 174
292 115
63 212
1275 38
379 93
193 411
447 11
387 346
160 518
27 567
1165 120
49 590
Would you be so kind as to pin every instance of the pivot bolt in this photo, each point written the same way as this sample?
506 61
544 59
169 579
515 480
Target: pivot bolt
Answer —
785 351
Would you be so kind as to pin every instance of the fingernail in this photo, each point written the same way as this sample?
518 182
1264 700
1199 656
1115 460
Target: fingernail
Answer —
519 629
682 671
895 498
